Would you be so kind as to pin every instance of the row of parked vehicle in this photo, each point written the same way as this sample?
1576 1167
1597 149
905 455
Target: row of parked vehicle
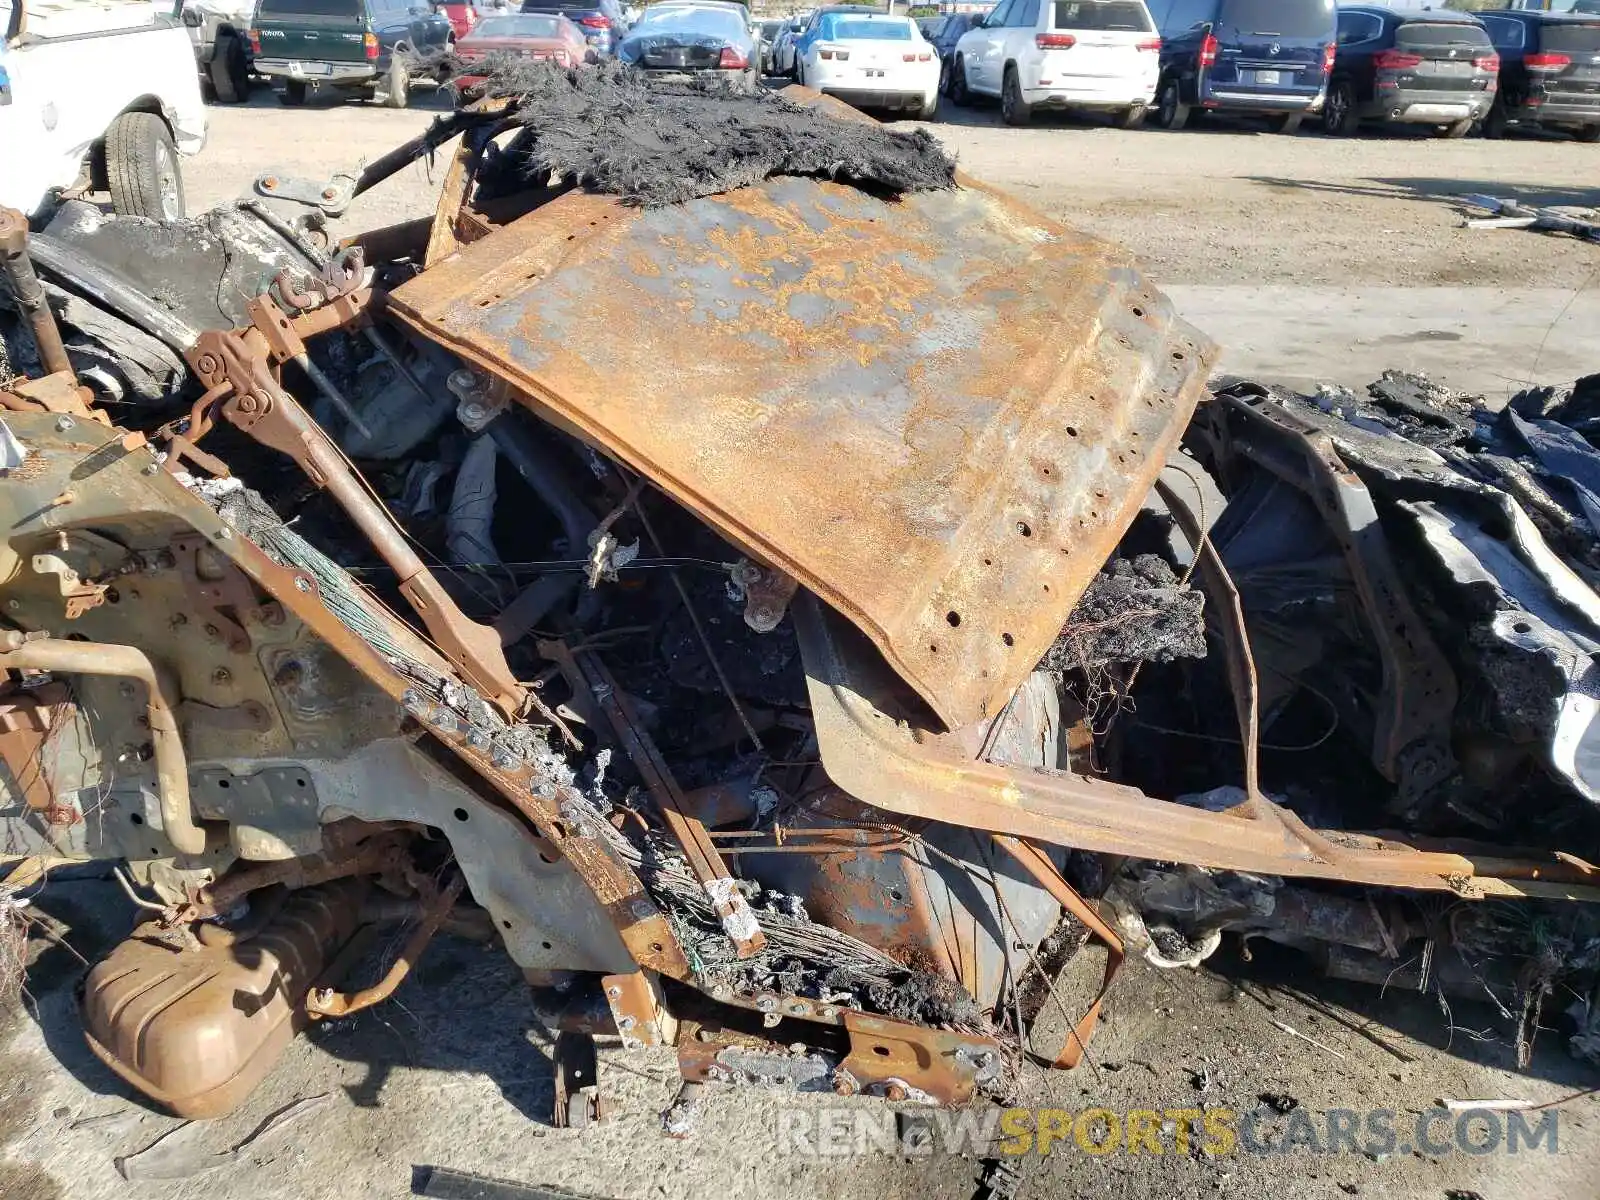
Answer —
1173 60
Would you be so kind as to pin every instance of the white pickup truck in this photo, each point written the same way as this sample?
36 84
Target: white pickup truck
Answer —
99 95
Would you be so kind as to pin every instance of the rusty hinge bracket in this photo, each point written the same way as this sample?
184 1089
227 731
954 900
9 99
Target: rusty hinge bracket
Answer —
235 364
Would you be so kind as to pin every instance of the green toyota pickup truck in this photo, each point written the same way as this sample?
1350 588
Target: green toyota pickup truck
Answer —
366 48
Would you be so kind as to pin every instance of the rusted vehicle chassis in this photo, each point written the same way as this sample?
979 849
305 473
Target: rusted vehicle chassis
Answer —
922 425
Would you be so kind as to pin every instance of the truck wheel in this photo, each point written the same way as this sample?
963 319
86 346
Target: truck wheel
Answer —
1014 110
230 74
1131 118
397 83
1494 125
294 92
142 168
1288 123
1589 133
1457 129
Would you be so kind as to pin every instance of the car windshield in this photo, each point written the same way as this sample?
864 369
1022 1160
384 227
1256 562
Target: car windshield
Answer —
840 27
1279 18
1438 33
528 25
562 6
1581 38
311 8
770 29
1103 14
723 22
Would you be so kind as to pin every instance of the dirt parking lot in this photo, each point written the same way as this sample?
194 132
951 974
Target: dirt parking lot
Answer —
1309 259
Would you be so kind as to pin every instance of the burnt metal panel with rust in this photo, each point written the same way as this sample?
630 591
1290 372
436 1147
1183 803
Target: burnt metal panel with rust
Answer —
939 414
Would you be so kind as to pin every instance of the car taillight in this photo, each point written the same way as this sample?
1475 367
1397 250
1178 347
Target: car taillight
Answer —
732 60
1208 51
370 43
1546 62
831 52
1151 45
255 41
1395 60
1328 53
596 21
1487 62
924 57
1054 41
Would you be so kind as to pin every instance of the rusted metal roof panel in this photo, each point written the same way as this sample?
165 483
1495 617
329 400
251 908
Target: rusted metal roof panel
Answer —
938 414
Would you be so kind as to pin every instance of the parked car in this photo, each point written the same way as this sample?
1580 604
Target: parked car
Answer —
521 35
1549 73
603 22
1098 55
769 38
946 32
870 59
691 39
783 49
463 17
1269 57
219 31
98 94
363 48
1413 68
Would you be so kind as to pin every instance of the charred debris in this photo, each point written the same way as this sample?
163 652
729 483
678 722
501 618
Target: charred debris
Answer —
792 649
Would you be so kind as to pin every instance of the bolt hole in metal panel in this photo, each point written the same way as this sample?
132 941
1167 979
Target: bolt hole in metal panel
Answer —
924 410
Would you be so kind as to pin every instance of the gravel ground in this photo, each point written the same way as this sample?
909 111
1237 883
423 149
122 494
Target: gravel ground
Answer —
1344 237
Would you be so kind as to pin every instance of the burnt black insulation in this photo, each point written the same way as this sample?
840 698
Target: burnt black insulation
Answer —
655 142
1135 610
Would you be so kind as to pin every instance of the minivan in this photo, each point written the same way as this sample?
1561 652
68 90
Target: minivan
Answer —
1269 57
1549 73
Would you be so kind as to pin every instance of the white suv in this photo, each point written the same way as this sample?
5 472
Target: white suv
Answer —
1084 54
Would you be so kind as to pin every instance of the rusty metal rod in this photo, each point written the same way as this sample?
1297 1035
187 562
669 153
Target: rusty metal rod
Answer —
29 292
325 1002
127 662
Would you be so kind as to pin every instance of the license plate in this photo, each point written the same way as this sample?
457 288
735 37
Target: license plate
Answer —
318 69
1271 77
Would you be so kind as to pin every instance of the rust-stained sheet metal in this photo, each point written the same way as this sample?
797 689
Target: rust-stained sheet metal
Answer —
939 414
872 751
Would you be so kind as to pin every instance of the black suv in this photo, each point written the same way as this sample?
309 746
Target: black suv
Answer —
1549 73
1431 67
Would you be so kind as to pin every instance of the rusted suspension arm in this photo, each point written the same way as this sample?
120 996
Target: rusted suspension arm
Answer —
325 1002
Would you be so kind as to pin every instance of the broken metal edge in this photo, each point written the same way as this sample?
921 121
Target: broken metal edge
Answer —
889 763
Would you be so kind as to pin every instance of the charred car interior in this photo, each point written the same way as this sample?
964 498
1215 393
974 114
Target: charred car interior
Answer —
782 618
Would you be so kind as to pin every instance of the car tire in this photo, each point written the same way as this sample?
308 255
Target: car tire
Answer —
229 72
1339 109
1494 124
944 77
1014 110
959 96
1457 129
1171 112
1287 124
142 172
1132 118
294 93
397 81
1589 133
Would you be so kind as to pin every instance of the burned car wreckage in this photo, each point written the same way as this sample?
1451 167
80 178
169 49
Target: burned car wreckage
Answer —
765 593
